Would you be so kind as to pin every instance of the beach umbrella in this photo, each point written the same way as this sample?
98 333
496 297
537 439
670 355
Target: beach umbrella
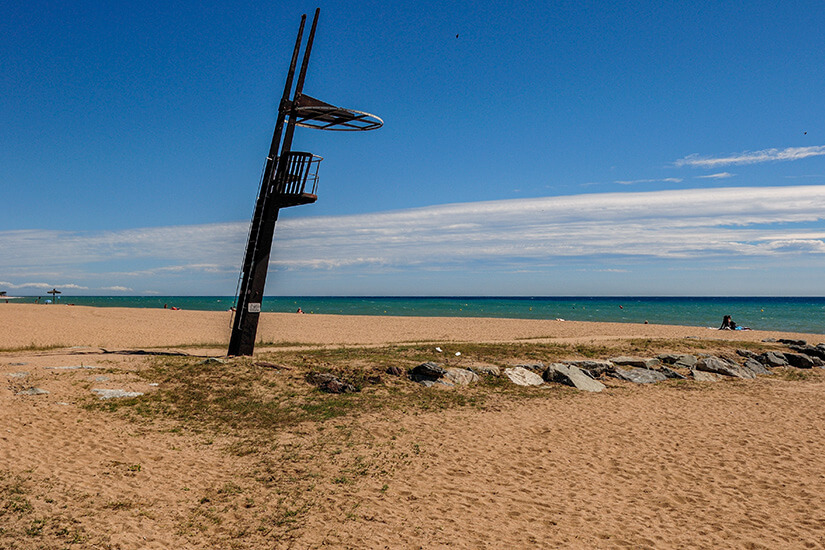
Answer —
54 292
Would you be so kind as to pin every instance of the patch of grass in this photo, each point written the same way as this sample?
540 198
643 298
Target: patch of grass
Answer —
238 395
686 385
45 523
271 344
34 347
792 374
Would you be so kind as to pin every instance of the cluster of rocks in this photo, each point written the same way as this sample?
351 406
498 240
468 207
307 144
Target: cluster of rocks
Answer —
589 374
585 375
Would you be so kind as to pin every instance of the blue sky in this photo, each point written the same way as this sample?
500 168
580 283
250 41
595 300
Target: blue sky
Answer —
560 148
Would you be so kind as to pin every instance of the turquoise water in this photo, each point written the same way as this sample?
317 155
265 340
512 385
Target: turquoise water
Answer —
784 314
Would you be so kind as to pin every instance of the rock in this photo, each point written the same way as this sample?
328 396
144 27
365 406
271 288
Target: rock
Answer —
395 371
33 391
73 367
639 376
571 375
21 374
538 366
686 361
639 362
813 351
212 361
799 360
792 342
769 340
427 371
115 394
594 368
747 354
720 366
489 370
773 359
755 366
670 373
702 376
461 377
330 383
523 377
678 360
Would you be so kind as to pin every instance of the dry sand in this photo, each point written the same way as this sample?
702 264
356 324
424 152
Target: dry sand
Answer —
735 464
23 325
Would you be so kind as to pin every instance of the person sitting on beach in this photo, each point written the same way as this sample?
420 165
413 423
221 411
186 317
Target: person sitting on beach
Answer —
727 323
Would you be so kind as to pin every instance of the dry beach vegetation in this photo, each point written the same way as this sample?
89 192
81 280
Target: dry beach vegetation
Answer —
245 453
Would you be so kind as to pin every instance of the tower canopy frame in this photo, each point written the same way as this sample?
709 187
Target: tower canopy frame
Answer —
313 113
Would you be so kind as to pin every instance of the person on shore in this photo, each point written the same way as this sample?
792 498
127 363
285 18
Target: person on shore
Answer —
727 323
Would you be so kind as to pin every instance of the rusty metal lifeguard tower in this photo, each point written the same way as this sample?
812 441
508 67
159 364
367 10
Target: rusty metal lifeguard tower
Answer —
289 179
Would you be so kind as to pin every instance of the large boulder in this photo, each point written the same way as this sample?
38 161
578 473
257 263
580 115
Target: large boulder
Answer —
670 373
773 359
639 362
571 375
523 377
800 360
813 351
538 366
702 376
678 360
461 377
489 370
718 365
639 376
592 367
755 367
427 371
789 342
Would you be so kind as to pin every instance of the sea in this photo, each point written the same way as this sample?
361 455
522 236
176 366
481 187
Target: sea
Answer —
792 314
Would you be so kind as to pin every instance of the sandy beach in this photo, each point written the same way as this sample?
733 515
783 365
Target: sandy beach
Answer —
67 326
679 464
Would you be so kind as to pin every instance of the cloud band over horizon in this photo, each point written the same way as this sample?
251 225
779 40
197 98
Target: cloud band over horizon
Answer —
602 232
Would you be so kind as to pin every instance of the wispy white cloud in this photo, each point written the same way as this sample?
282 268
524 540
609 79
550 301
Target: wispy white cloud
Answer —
718 176
117 288
762 223
42 286
661 180
752 157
